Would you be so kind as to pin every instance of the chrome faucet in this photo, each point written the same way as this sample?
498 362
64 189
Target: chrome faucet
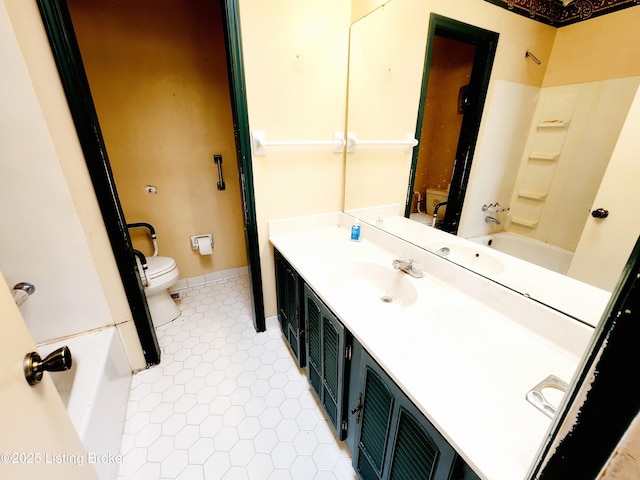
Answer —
412 267
489 219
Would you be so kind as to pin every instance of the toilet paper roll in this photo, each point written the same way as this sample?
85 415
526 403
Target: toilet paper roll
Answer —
204 246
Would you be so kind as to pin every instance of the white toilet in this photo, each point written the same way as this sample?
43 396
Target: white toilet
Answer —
158 275
162 274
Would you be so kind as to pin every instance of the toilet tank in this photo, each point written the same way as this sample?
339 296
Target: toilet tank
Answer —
435 197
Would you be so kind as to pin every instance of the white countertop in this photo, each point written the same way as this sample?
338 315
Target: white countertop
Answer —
466 352
576 298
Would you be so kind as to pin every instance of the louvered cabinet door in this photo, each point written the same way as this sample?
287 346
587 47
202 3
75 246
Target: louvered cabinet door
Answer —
288 293
377 409
326 346
395 441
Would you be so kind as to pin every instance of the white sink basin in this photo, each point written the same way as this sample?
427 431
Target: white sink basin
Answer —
472 258
375 283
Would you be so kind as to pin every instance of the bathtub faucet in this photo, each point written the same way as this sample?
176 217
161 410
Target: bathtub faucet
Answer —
489 219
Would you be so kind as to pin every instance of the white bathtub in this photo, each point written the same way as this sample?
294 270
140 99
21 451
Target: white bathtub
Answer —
95 392
542 254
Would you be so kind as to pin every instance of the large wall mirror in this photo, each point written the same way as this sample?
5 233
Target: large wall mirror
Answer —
551 178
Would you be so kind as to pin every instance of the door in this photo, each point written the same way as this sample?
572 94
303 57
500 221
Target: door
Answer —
395 441
327 359
607 241
37 439
288 294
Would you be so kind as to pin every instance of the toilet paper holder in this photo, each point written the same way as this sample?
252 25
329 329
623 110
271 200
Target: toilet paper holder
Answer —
194 239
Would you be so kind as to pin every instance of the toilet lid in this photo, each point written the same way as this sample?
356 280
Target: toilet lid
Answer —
159 265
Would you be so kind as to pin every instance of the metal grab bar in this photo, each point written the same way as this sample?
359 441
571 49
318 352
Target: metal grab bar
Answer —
152 231
144 267
218 161
259 142
352 141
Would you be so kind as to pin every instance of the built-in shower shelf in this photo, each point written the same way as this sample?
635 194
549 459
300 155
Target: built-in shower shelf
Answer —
550 157
524 222
532 195
554 123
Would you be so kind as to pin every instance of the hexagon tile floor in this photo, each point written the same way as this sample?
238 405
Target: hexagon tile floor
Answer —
226 402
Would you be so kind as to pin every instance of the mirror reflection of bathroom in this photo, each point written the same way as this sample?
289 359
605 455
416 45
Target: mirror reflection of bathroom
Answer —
159 82
446 99
539 177
457 69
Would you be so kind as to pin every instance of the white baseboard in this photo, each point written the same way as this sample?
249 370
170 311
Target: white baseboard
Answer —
208 278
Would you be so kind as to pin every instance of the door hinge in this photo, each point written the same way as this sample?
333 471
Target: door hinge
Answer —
345 424
348 352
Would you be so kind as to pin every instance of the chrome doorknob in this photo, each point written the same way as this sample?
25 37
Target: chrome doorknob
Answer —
600 213
57 361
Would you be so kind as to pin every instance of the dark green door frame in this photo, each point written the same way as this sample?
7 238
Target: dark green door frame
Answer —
235 67
64 46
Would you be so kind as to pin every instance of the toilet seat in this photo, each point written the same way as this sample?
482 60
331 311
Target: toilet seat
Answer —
157 266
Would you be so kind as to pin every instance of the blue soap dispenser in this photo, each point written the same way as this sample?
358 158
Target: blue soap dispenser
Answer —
355 231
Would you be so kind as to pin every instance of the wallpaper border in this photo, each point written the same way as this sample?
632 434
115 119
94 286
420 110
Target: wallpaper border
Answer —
552 12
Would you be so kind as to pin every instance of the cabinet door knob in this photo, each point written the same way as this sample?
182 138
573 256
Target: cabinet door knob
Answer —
600 213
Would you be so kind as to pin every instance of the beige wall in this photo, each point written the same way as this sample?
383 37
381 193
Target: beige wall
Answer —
598 49
382 107
159 81
295 56
517 33
361 8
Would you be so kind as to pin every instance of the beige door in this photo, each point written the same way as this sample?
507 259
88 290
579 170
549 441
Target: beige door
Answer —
606 243
37 439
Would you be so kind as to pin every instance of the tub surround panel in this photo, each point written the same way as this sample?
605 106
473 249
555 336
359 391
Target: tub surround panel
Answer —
506 123
490 345
95 392
131 343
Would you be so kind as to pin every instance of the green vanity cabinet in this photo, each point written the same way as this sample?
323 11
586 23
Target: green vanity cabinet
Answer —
289 295
386 433
393 438
328 346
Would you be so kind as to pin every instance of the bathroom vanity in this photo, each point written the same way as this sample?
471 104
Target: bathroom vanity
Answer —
425 374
